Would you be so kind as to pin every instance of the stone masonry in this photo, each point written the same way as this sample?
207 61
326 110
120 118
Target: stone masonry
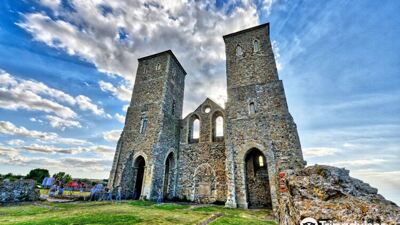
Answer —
256 163
158 155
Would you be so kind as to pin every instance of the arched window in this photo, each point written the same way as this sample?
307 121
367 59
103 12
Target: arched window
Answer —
219 127
196 129
256 46
158 66
239 51
260 161
252 108
143 124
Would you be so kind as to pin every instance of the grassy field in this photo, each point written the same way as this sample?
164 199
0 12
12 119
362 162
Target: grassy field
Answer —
127 212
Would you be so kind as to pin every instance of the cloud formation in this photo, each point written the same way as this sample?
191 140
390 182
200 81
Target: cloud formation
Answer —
32 95
112 35
9 128
112 136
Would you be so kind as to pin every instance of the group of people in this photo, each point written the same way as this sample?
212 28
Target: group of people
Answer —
99 193
54 188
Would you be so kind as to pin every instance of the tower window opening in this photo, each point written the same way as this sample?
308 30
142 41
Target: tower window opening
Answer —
158 66
143 124
239 51
260 161
256 46
252 108
217 122
196 129
219 127
173 107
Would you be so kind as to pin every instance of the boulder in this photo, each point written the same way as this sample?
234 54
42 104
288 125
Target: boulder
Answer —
329 193
18 191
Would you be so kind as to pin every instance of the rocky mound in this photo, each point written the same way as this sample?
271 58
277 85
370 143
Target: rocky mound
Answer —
18 191
329 193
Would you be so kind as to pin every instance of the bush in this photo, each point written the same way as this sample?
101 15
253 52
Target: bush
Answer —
38 175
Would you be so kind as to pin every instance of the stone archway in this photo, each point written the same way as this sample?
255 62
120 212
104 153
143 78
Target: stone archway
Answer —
169 176
258 190
204 186
139 167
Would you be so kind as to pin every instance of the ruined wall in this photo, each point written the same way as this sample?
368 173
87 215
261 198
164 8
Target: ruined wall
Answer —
201 166
257 112
157 98
210 168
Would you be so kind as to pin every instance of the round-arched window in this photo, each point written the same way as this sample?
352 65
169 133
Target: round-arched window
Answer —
256 46
239 51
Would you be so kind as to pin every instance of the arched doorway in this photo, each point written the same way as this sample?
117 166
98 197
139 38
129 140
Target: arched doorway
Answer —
204 187
169 176
258 190
139 167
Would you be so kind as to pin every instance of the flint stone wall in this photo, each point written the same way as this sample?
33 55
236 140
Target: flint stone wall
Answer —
326 192
18 191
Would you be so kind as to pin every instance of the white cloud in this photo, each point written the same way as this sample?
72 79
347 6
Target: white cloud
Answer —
112 136
320 152
62 123
100 149
15 142
11 156
275 47
9 128
85 104
120 117
359 162
35 96
123 92
53 4
16 95
193 30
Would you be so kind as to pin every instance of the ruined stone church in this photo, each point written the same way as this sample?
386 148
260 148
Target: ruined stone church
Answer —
160 153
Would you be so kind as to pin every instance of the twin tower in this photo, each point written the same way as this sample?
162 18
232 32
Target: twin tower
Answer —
214 155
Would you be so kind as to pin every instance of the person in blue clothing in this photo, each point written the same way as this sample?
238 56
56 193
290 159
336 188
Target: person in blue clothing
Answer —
53 190
108 194
61 190
118 194
160 197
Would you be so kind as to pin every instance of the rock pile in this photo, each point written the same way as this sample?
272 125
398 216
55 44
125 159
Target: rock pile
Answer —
18 191
329 193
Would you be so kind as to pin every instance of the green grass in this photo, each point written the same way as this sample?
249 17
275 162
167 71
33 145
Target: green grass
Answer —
127 212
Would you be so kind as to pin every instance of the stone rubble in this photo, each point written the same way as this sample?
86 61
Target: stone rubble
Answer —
329 193
18 191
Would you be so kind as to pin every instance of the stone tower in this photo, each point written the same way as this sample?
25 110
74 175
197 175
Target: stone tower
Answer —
150 138
261 136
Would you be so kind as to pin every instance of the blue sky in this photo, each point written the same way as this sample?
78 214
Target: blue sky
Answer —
67 69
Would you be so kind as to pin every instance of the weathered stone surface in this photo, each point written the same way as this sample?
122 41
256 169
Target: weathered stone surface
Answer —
201 171
18 191
325 192
209 168
258 117
257 126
